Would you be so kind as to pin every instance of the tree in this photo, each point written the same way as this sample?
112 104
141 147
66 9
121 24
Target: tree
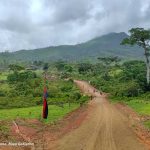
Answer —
107 63
68 68
84 68
60 65
109 60
20 77
45 67
141 37
38 63
134 70
14 67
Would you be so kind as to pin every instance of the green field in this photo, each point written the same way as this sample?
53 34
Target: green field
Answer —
142 107
55 112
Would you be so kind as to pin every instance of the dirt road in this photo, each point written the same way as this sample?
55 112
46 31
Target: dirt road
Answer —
105 128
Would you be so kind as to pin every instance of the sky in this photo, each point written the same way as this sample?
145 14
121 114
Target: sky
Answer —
30 24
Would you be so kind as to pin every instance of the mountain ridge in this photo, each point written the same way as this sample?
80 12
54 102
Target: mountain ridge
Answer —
105 45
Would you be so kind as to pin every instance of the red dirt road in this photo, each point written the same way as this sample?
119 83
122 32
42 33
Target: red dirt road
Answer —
105 128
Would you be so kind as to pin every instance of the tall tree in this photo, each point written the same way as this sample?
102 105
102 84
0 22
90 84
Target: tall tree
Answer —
141 37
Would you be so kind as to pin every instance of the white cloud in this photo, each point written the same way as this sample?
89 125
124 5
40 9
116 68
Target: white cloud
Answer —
40 23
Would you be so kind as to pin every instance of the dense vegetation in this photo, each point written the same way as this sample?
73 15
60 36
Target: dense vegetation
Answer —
21 92
125 81
129 78
24 88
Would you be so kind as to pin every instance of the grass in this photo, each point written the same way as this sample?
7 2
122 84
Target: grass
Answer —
55 112
3 76
147 124
142 107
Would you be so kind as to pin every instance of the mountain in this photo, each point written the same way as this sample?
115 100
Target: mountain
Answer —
106 45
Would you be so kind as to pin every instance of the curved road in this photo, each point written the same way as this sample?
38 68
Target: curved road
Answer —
104 129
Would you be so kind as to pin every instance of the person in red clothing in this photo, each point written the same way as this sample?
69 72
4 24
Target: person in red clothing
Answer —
45 105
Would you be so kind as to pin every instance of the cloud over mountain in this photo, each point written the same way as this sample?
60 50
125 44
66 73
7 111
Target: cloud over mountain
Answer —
40 23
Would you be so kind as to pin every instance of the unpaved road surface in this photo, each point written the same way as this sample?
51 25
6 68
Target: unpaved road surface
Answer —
105 128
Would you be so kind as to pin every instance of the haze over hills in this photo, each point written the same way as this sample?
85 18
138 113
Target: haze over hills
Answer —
106 45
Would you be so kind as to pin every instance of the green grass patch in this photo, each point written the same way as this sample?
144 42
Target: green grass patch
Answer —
3 76
147 124
55 112
142 107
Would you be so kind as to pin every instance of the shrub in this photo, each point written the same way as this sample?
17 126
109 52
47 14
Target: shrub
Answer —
20 77
2 93
128 89
83 99
75 96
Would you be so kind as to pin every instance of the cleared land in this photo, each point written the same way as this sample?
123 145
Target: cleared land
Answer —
104 129
55 112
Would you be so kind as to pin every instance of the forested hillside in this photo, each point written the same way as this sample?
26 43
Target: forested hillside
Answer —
106 45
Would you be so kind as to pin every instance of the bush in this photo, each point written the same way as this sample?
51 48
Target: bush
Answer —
66 88
75 96
83 99
18 102
128 89
2 93
20 77
37 92
53 91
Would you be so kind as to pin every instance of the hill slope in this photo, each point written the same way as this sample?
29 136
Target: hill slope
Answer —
106 45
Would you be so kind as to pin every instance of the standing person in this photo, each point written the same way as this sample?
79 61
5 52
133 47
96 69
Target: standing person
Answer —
45 105
94 90
45 93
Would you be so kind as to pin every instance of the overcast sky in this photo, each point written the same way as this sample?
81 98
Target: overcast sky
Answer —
28 24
